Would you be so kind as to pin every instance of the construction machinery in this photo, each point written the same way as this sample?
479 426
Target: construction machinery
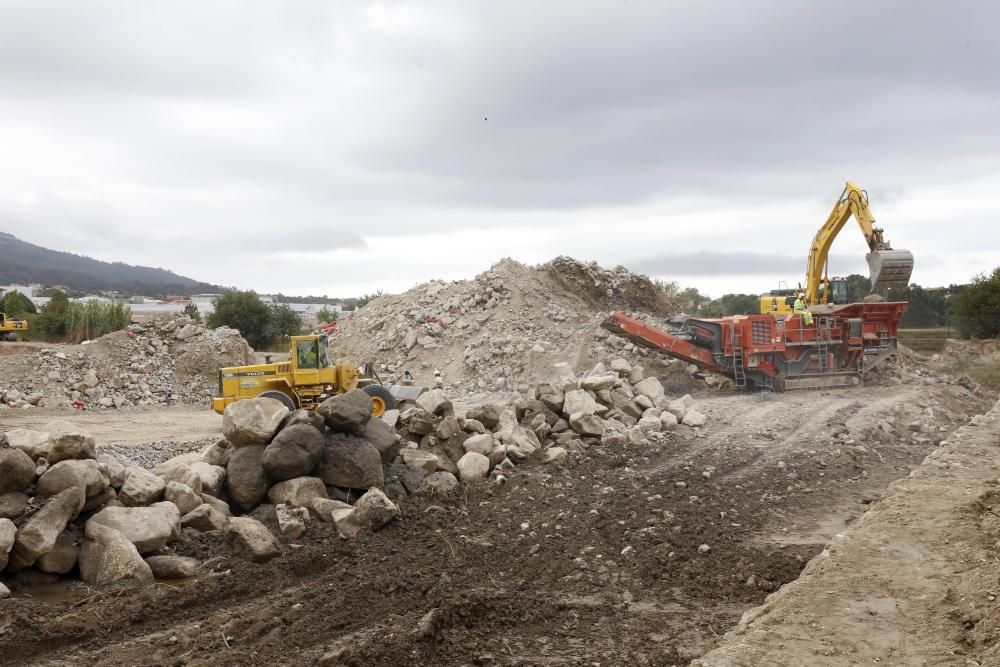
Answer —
888 268
11 327
304 381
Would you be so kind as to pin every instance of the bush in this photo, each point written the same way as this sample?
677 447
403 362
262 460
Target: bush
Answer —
191 311
51 323
977 307
325 315
363 301
16 305
283 321
86 321
244 311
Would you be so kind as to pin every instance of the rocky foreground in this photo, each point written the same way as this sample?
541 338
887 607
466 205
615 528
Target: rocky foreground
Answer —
66 507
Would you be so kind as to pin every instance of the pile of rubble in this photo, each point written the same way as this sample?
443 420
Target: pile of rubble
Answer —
163 361
612 406
503 329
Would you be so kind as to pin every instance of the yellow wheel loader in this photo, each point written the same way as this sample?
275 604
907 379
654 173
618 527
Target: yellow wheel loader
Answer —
304 381
889 269
10 327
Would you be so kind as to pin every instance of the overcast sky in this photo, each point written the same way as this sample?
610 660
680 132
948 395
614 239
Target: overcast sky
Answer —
338 148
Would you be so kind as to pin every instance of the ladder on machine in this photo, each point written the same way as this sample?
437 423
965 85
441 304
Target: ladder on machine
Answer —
823 344
739 372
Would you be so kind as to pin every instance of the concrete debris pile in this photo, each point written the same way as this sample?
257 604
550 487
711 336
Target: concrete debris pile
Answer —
503 329
163 361
613 405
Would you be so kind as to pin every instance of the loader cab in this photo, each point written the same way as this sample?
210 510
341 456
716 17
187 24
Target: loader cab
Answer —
309 360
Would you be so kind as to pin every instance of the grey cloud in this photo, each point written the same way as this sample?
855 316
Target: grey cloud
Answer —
709 263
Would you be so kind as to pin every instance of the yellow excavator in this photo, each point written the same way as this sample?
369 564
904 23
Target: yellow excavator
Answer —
889 269
10 327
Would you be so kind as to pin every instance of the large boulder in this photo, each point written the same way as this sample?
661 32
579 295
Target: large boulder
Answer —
482 443
434 402
8 531
298 492
488 415
69 441
347 412
694 418
140 487
64 554
384 439
579 401
374 510
291 520
421 458
598 382
85 473
33 443
303 416
213 477
17 470
204 518
252 421
174 567
38 535
181 495
294 452
253 538
148 528
651 388
108 556
177 470
473 467
218 453
246 479
586 424
439 483
13 505
350 462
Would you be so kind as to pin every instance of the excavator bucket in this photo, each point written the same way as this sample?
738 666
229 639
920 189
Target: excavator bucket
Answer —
890 269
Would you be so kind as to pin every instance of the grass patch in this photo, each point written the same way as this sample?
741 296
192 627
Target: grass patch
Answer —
983 372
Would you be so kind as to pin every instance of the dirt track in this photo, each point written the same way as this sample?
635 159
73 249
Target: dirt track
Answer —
596 562
181 423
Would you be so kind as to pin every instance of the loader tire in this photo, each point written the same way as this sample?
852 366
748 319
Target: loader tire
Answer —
285 399
382 399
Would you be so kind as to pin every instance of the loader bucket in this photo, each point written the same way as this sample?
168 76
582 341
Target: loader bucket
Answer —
890 269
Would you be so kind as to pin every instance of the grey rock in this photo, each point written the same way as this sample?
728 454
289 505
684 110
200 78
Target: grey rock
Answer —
291 520
148 528
64 554
294 452
140 487
350 462
246 480
473 467
38 535
252 421
181 495
252 538
384 439
13 505
374 510
107 556
85 473
174 567
439 483
213 477
17 470
347 412
205 518
8 531
298 492
434 402
69 441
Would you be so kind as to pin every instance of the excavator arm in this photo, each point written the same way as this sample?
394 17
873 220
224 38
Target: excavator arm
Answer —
889 268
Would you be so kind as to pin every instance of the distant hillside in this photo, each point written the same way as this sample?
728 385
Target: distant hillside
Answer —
26 263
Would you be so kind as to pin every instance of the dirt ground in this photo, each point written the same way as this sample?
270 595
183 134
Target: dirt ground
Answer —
177 423
644 556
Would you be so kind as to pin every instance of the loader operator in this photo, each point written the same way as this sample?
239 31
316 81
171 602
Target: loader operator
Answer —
799 308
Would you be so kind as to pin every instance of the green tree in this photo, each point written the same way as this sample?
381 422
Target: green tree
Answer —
191 311
326 314
858 287
977 307
732 304
51 323
363 301
283 321
244 311
16 304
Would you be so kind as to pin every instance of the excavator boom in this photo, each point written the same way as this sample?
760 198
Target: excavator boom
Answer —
888 268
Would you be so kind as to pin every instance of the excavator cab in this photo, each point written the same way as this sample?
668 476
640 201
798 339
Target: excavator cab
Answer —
838 291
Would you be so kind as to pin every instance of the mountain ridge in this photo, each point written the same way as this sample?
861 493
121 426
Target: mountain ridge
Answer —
26 263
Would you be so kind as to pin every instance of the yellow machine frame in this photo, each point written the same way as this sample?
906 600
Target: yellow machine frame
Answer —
10 327
305 380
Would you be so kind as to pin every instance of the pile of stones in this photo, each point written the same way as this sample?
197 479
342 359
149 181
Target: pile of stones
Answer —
613 405
163 361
